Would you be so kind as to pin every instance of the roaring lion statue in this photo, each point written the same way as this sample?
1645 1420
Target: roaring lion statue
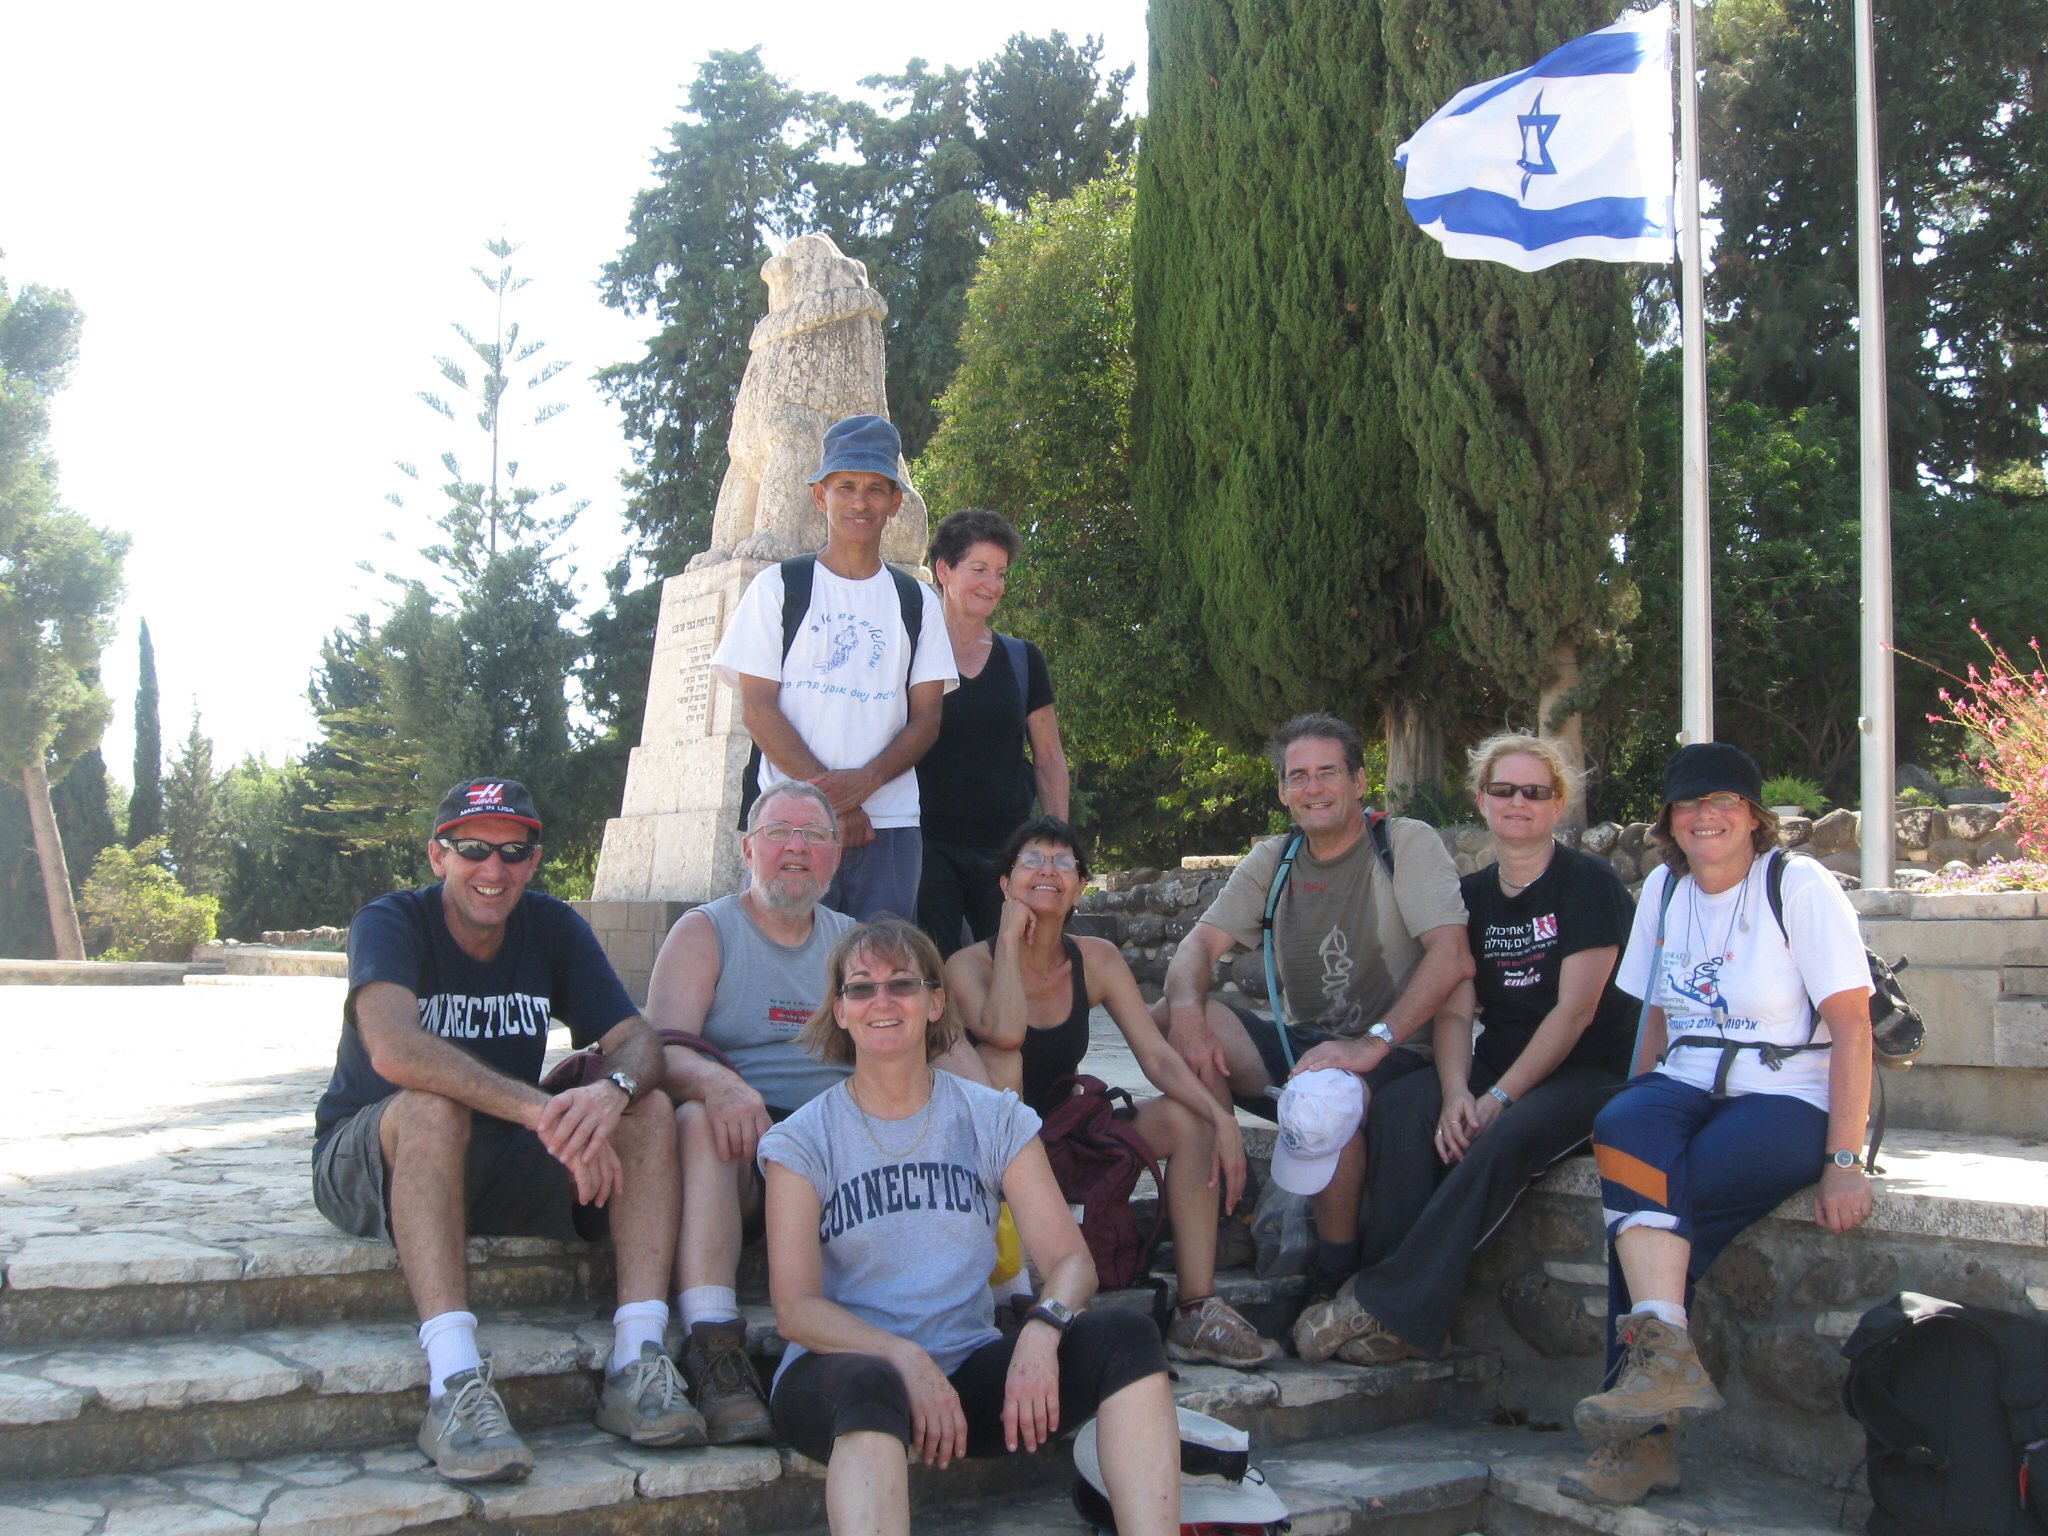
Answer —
816 356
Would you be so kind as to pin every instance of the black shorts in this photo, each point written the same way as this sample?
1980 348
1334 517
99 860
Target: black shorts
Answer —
821 1397
1265 1034
514 1187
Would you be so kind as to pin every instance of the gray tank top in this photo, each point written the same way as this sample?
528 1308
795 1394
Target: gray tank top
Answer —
765 993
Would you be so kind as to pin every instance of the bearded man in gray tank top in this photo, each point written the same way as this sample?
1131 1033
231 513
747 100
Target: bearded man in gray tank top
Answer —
743 973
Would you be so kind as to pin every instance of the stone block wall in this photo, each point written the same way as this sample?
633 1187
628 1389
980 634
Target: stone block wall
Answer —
631 933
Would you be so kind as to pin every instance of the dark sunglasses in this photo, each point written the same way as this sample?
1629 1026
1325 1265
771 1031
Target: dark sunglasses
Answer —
476 850
1500 789
896 986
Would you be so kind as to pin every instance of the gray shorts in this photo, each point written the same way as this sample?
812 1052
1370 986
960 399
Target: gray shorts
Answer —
514 1186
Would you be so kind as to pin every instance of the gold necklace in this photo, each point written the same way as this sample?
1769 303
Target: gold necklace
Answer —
931 1092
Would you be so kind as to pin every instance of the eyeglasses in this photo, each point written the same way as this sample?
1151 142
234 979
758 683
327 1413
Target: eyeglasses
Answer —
1501 789
1322 778
1723 800
476 850
1031 858
898 987
782 832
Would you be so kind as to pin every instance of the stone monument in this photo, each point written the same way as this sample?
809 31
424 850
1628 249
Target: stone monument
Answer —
815 357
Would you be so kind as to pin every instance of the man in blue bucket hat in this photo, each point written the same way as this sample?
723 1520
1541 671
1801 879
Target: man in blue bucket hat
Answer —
841 663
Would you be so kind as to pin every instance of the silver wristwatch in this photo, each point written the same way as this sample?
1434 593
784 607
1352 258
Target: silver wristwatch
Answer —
1384 1033
1844 1158
625 1084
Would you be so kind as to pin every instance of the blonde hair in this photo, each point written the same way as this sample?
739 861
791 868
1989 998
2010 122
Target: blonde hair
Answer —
893 942
1482 759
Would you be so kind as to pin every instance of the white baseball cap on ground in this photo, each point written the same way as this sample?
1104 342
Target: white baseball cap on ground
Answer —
1217 1484
1319 1111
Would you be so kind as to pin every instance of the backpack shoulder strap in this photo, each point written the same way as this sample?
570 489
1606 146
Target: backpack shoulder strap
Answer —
797 574
1382 839
1774 888
910 600
1020 662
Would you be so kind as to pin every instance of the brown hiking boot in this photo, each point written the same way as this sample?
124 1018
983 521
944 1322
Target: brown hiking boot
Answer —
1626 1472
1660 1381
722 1379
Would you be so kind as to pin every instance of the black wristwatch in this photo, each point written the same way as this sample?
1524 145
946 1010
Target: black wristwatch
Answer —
1844 1158
1057 1313
625 1085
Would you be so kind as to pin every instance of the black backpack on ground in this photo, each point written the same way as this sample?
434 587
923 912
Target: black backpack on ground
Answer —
798 572
1953 1400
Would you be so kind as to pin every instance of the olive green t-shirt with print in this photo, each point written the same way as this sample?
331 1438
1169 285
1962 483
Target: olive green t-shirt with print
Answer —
1346 936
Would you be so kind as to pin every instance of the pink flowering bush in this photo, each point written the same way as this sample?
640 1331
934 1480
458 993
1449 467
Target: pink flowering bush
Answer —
2005 710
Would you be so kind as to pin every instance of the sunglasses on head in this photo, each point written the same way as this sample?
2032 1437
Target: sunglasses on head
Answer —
1500 789
898 987
476 850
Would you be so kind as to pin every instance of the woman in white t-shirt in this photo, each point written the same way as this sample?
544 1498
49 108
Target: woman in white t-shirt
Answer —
1755 1063
883 1195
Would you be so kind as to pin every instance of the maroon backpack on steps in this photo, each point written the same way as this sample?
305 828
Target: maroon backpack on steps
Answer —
1097 1159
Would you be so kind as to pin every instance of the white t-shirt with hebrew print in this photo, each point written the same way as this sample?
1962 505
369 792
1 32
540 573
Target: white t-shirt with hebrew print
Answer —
1727 970
846 681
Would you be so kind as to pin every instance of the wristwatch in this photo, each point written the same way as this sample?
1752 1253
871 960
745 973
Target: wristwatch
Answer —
1845 1158
1384 1033
626 1085
1498 1092
1057 1313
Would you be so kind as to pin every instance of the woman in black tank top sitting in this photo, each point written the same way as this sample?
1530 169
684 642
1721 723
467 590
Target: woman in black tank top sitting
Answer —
1025 997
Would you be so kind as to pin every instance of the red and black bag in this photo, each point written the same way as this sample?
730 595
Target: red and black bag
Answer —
1097 1158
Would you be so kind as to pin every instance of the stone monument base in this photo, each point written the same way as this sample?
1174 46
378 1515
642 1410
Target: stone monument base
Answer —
676 837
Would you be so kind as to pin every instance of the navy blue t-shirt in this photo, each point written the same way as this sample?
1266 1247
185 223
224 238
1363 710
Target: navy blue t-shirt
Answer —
549 969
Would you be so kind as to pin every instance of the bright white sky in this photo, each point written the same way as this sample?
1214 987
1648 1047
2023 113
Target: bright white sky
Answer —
269 214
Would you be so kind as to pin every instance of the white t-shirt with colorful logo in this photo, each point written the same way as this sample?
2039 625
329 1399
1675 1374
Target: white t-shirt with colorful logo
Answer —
1727 970
846 681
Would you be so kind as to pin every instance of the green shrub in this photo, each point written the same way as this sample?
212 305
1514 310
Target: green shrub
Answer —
1804 793
138 911
1911 796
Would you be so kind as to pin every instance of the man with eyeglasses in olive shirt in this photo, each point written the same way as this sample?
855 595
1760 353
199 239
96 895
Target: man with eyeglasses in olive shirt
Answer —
1366 955
434 1126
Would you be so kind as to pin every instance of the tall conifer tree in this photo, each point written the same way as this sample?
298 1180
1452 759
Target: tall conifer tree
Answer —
1518 391
1272 477
146 802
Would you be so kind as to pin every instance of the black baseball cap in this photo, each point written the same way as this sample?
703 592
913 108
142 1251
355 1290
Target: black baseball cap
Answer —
1710 767
475 798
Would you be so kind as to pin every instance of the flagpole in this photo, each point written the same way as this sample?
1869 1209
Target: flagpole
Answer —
1696 619
1878 725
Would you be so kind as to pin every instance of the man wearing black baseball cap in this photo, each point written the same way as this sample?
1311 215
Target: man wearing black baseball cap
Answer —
434 1126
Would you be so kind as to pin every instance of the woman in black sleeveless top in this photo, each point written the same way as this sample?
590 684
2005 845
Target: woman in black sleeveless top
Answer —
1025 997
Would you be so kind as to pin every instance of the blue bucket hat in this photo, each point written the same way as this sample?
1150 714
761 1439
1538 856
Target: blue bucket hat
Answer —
866 445
1708 767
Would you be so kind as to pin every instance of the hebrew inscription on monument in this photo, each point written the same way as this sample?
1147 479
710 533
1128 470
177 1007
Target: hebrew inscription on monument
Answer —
815 357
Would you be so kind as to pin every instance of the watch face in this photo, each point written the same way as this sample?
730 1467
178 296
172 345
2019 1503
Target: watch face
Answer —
1845 1159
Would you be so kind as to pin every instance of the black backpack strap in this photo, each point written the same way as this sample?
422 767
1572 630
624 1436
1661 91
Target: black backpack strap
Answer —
1020 664
1288 850
1382 840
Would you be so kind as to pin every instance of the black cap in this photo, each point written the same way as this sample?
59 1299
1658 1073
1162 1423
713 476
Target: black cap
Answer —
1708 768
476 798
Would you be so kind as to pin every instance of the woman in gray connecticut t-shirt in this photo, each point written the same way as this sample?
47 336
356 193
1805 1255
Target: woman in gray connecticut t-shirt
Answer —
883 1194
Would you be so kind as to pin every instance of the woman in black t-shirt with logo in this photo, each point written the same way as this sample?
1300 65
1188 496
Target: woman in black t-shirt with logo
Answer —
1449 1152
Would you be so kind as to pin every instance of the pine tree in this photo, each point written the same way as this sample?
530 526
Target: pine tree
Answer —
1272 477
146 800
196 838
1518 391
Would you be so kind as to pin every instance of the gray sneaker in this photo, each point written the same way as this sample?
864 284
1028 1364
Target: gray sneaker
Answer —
644 1402
468 1436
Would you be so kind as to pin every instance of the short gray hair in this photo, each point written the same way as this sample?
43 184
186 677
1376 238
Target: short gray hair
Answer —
759 810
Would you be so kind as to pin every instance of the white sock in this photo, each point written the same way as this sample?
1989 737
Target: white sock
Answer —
634 1324
708 1304
1669 1313
450 1342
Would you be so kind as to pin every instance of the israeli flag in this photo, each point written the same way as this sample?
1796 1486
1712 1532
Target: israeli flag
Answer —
1570 157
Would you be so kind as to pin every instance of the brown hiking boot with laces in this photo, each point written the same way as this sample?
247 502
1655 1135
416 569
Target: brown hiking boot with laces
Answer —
1625 1472
1660 1381
722 1380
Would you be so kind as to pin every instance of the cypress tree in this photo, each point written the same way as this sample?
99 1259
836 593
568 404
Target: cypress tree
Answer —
146 803
1271 475
1518 391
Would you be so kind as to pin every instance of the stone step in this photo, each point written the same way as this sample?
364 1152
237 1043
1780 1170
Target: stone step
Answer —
1455 1475
154 1402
